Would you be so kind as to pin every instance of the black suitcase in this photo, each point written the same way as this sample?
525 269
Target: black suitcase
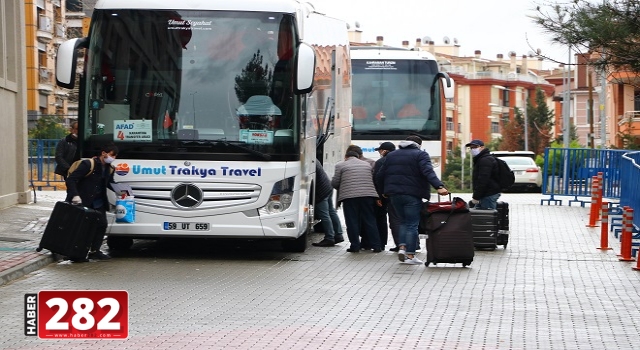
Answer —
449 236
503 223
70 230
485 228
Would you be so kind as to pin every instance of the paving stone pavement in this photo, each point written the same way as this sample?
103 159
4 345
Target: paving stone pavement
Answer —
549 289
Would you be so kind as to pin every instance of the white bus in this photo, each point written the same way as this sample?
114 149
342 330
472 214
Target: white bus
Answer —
398 92
217 108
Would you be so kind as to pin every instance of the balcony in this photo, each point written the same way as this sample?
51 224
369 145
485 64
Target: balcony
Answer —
45 29
45 83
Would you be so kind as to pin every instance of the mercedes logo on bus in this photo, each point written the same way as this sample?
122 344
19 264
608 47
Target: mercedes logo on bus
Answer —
187 196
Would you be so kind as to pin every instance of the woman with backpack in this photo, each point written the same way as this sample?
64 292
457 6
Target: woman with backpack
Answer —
486 184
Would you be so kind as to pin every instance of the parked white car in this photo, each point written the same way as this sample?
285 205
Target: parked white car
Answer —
528 174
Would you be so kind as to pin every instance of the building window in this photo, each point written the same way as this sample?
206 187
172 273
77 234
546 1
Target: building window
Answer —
505 98
449 123
636 100
495 127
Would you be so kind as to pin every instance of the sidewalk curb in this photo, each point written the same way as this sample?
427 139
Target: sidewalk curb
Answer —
25 268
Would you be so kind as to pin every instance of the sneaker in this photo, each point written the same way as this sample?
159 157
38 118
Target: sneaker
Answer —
324 243
394 249
377 250
414 261
350 250
98 255
77 260
339 239
401 255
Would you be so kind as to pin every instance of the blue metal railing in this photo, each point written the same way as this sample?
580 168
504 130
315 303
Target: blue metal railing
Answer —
569 172
42 163
630 189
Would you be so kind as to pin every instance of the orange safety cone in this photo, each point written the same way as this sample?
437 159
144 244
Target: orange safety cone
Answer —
637 268
626 236
604 228
600 193
593 213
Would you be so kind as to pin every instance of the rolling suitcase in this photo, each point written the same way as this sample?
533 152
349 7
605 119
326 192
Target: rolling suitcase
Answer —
70 230
503 223
485 228
449 232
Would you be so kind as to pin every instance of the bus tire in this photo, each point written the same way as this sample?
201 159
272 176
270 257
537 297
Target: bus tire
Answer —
119 243
298 245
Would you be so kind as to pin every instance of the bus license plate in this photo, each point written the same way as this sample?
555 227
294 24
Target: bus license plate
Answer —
186 226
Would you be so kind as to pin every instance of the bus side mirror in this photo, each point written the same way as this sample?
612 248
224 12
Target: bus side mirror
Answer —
448 85
305 69
66 59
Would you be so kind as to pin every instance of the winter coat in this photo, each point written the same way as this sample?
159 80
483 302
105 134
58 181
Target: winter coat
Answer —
376 168
90 187
485 175
323 184
407 170
352 179
66 154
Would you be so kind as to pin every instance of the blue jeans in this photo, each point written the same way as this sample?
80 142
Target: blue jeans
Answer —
408 210
329 219
488 202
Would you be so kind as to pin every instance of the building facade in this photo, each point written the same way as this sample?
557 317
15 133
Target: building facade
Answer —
14 186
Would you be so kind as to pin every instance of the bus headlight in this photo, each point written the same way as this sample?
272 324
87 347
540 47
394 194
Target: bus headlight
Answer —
281 197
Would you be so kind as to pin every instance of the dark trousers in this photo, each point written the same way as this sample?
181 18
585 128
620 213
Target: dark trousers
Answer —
101 230
359 217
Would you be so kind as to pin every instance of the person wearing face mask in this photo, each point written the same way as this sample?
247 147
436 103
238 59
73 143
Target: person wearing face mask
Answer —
87 185
67 151
486 188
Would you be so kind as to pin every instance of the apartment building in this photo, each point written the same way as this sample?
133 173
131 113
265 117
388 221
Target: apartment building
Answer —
48 23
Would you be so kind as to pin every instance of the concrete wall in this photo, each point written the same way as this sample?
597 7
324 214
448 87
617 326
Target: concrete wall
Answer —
14 186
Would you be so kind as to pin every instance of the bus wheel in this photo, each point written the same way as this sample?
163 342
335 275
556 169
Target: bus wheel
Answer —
119 243
298 245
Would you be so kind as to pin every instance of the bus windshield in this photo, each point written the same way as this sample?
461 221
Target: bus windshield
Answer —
395 97
191 84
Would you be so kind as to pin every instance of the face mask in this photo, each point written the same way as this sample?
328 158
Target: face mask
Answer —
109 159
475 151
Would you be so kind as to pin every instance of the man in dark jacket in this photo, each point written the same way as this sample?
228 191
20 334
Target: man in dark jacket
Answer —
323 209
384 206
67 151
87 185
406 177
486 188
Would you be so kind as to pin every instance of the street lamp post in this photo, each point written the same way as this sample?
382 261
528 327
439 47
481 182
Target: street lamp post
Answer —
526 121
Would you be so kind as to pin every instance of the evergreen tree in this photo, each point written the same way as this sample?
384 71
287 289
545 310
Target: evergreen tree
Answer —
540 123
609 29
255 79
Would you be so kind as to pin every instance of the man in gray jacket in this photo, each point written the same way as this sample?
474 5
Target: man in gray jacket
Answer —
352 179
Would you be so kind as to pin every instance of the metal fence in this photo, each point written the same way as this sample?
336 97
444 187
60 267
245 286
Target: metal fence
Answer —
569 172
42 163
630 189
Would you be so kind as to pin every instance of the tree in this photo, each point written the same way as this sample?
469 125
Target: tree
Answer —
540 123
512 133
48 127
609 30
452 175
255 79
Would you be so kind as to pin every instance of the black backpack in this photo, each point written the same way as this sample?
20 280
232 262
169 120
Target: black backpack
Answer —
506 178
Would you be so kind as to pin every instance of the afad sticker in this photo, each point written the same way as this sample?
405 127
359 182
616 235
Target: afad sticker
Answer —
122 169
